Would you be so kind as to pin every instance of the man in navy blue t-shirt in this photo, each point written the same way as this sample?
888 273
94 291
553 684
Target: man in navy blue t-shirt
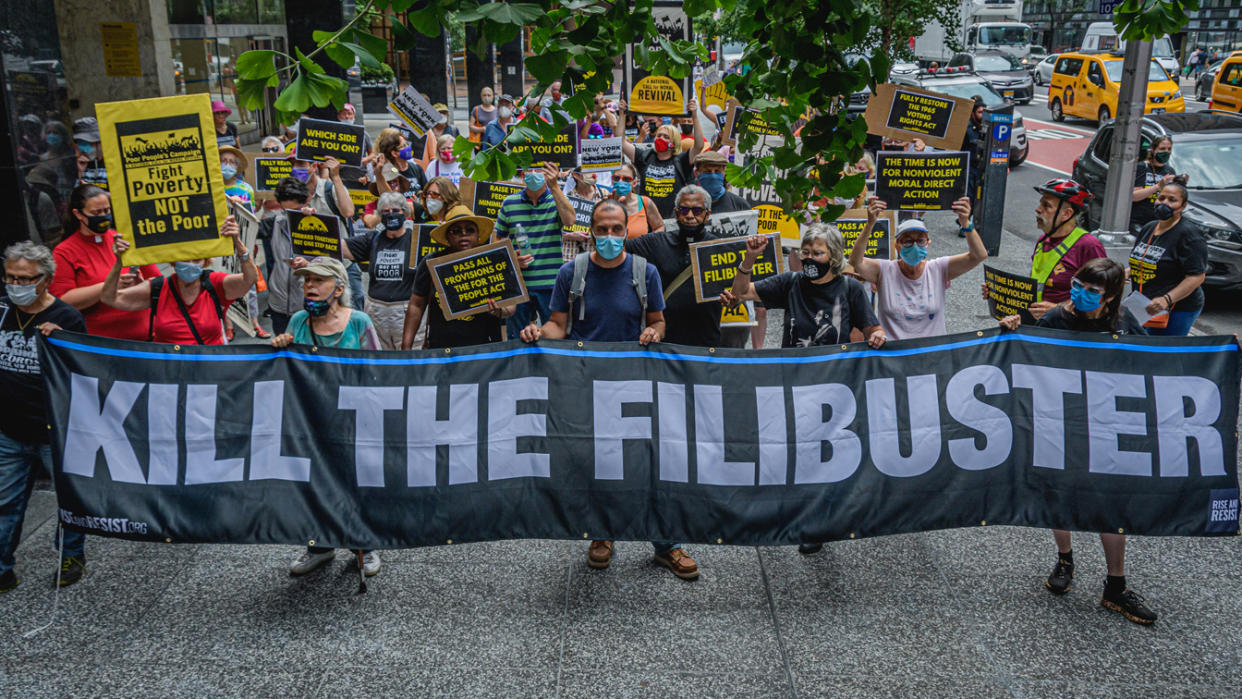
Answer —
609 310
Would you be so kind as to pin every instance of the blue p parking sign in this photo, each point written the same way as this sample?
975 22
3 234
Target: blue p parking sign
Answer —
1000 132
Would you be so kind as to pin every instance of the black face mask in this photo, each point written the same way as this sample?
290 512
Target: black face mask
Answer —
1162 211
99 224
687 129
815 270
393 220
691 232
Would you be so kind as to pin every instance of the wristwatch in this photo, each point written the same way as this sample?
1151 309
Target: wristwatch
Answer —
743 270
243 256
968 227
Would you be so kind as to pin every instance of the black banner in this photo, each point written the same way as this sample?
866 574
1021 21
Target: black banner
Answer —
920 113
912 181
563 150
319 140
465 281
315 235
488 196
714 264
879 243
268 172
582 214
1009 294
249 444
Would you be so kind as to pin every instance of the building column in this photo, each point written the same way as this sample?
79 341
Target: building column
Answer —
302 19
480 72
512 68
429 63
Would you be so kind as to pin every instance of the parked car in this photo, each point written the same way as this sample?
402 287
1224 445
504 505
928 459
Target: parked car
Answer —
966 85
1003 72
1227 86
1042 71
1207 146
1203 83
1087 84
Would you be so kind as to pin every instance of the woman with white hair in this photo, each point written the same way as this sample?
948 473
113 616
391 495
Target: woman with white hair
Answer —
387 251
821 304
328 321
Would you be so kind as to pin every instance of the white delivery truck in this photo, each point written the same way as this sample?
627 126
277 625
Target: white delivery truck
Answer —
985 25
1102 36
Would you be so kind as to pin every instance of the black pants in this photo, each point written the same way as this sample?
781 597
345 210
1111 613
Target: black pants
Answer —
280 321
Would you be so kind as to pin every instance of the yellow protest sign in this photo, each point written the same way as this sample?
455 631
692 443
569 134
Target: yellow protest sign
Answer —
167 193
772 219
739 317
714 94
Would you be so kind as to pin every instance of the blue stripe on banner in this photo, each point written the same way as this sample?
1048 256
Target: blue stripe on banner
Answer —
605 354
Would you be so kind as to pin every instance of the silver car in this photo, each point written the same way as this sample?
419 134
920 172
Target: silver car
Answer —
1043 70
967 86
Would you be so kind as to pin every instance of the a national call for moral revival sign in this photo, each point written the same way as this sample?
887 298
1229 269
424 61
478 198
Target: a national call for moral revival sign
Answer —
659 94
905 113
167 193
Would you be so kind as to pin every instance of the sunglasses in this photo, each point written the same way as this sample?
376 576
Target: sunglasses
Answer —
459 230
10 279
621 178
691 210
271 149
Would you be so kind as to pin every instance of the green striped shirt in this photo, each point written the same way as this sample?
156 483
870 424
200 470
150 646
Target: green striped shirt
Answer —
542 223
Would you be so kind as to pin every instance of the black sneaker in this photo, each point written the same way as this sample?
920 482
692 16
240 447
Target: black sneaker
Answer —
71 570
1130 604
8 581
1059 581
807 549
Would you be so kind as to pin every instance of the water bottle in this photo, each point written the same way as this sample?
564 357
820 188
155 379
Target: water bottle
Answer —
520 239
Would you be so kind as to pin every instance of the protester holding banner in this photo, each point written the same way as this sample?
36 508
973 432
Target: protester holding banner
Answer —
688 322
328 321
226 131
444 163
709 173
535 219
483 114
1168 265
27 309
83 260
187 307
495 130
387 252
461 231
911 289
642 215
663 170
1094 305
610 296
821 305
394 166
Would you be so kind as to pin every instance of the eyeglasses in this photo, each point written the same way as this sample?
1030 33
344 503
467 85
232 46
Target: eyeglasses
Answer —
621 178
460 230
271 149
1074 283
22 281
691 210
911 241
433 195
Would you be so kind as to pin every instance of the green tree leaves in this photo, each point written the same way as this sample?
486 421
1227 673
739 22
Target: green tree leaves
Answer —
1146 20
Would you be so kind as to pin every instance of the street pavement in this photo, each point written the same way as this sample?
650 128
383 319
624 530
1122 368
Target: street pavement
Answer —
948 613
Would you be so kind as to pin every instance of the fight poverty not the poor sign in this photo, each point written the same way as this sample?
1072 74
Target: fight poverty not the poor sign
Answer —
168 200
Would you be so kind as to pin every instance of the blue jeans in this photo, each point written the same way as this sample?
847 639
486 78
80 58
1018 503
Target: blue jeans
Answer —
17 460
522 316
1179 325
357 298
663 547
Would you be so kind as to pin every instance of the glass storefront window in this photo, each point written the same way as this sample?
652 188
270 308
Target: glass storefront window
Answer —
271 12
186 11
236 12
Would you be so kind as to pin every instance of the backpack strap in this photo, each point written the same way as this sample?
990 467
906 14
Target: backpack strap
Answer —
576 287
205 280
157 283
639 269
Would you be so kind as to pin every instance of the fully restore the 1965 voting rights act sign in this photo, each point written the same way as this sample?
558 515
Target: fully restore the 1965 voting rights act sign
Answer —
167 193
905 113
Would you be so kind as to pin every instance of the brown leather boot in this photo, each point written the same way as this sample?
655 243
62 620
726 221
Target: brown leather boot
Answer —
600 553
678 561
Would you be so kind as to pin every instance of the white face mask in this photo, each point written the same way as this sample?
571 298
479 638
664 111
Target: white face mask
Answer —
505 112
434 206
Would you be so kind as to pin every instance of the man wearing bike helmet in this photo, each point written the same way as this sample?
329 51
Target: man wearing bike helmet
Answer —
1063 247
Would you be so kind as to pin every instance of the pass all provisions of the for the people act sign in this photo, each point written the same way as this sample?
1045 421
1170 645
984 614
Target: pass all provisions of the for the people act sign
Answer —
911 181
879 243
167 195
319 140
714 264
467 280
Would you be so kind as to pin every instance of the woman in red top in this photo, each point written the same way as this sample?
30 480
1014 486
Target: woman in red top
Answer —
190 303
84 258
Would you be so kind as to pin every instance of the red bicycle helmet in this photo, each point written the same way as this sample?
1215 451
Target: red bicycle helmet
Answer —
1067 191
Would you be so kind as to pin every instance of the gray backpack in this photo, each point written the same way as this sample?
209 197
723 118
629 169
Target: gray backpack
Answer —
578 285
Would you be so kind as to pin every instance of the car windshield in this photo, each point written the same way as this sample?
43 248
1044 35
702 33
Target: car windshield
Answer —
1154 72
1004 36
1162 48
967 91
1210 164
997 63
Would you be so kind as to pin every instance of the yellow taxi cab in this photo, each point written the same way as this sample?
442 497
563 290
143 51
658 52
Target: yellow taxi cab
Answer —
1086 85
1227 88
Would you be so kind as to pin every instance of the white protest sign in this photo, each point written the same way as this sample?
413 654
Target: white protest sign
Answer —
413 108
730 225
600 154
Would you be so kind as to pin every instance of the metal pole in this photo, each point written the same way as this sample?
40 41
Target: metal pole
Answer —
990 216
1115 222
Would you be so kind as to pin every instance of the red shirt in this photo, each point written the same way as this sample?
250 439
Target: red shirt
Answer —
1086 249
170 326
84 260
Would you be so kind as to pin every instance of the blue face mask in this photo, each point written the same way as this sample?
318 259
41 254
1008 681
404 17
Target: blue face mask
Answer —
88 149
913 254
622 188
535 181
23 294
187 271
300 173
609 247
227 171
1084 299
714 183
52 139
317 308
406 153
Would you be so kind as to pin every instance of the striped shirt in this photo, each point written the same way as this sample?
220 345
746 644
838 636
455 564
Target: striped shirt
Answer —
542 223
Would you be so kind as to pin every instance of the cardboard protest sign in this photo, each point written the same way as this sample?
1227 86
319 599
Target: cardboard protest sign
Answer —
167 193
319 140
467 280
563 150
880 243
488 196
739 119
714 265
268 172
905 113
424 246
1009 294
910 181
743 316
582 214
414 109
315 235
358 184
772 215
600 154
658 94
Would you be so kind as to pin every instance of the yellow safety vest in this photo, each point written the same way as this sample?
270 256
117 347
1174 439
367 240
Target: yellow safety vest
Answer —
1043 262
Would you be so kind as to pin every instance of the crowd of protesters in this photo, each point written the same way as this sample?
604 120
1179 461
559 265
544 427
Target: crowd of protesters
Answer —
623 279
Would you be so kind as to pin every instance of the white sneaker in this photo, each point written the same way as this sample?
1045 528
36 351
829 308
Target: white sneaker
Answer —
310 560
370 563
